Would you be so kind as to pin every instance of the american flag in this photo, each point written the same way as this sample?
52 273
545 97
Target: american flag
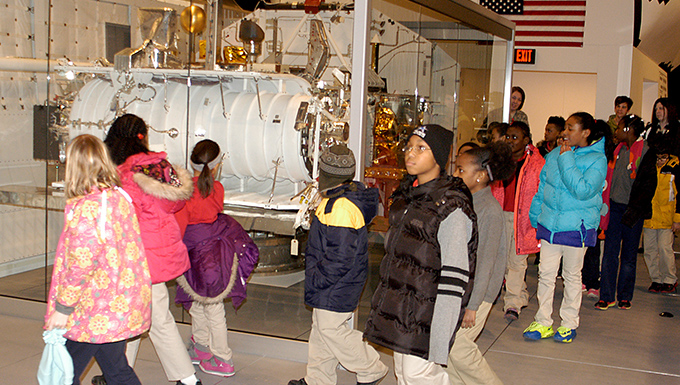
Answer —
544 23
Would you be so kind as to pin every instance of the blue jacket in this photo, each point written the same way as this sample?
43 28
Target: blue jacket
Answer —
566 209
337 248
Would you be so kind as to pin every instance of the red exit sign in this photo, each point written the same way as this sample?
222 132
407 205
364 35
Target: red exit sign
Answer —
525 56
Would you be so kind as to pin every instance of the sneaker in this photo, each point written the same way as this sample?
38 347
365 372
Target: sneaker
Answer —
198 352
604 305
217 367
98 380
297 382
593 293
668 287
583 287
564 335
511 315
536 331
625 305
654 287
181 383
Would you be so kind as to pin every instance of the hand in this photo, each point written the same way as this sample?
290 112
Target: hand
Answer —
676 226
469 319
564 147
56 321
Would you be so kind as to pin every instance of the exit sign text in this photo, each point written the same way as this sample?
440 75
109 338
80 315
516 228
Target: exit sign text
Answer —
525 56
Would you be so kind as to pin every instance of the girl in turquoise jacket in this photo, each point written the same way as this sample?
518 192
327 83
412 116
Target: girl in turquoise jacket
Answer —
566 213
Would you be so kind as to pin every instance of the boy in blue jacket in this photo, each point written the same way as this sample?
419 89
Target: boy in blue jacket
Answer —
336 272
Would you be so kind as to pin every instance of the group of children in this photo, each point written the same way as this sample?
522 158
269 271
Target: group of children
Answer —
133 222
451 243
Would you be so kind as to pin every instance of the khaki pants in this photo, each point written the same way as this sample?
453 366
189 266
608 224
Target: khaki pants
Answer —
572 262
659 255
209 328
333 341
412 370
165 337
466 363
516 294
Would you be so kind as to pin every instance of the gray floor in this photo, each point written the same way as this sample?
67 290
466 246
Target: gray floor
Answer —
634 346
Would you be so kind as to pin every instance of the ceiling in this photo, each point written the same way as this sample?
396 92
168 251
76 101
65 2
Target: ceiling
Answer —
660 31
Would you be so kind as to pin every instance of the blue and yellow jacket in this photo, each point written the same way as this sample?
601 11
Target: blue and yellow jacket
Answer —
337 248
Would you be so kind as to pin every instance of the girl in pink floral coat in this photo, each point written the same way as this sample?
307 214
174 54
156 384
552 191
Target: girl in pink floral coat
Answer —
101 287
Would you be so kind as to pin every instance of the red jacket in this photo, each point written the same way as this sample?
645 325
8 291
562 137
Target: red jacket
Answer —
155 203
527 187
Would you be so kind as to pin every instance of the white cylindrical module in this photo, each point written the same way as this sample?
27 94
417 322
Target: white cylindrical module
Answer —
254 129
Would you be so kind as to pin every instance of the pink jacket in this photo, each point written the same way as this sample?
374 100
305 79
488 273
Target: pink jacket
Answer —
156 203
527 187
100 275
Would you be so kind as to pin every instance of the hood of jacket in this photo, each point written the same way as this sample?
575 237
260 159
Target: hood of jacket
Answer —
154 187
366 199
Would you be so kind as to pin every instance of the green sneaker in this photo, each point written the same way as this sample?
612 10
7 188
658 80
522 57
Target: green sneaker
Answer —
564 335
536 331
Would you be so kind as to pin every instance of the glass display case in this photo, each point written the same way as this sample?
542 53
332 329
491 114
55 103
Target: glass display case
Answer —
272 86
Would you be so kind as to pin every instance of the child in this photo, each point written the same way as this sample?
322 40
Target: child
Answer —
336 272
553 131
514 195
566 213
222 257
426 275
658 230
478 167
620 237
158 191
101 288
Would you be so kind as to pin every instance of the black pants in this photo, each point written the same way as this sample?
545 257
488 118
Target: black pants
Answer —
110 357
591 267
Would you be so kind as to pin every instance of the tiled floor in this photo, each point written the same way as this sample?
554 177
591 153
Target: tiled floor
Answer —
634 346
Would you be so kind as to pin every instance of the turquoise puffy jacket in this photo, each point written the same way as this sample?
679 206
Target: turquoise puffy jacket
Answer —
566 209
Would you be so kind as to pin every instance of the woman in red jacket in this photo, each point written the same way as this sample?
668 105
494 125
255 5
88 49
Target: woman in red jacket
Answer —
158 190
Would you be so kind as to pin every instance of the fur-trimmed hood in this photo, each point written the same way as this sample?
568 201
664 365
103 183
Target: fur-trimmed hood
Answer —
155 187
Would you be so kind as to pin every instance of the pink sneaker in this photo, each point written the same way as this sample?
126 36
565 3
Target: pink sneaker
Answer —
593 293
217 367
198 352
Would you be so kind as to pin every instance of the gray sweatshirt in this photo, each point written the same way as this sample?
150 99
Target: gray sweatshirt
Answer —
491 250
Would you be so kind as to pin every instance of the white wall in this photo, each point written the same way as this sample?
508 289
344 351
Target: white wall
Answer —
601 69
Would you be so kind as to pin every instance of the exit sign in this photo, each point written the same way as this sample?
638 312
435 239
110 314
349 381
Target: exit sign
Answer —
525 56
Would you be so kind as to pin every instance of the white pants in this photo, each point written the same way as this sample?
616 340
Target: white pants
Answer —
412 370
516 294
333 341
466 364
659 255
209 328
165 337
572 262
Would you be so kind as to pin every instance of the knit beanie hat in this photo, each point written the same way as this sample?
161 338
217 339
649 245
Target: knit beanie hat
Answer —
336 166
439 139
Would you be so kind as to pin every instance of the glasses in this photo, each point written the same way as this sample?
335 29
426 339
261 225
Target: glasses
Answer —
417 149
663 157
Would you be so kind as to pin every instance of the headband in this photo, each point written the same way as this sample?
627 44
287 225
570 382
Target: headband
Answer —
199 167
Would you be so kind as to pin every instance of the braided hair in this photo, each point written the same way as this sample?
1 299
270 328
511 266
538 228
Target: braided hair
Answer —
126 137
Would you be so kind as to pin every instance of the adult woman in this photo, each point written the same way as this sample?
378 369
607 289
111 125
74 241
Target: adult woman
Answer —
664 126
566 213
158 191
622 105
514 195
517 97
426 275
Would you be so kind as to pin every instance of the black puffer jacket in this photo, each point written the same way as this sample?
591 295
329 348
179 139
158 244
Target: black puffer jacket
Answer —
403 303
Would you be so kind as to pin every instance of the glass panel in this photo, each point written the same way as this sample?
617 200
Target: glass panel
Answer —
272 105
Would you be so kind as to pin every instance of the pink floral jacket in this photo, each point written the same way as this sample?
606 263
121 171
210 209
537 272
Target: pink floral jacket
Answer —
101 276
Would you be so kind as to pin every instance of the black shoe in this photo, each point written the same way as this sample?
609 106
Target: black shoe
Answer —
181 383
668 287
98 380
655 287
625 305
511 315
372 382
298 382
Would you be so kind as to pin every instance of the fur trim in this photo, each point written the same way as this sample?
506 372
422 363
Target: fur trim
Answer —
182 282
165 191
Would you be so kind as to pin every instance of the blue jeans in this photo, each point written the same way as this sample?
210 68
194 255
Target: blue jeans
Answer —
109 356
619 237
